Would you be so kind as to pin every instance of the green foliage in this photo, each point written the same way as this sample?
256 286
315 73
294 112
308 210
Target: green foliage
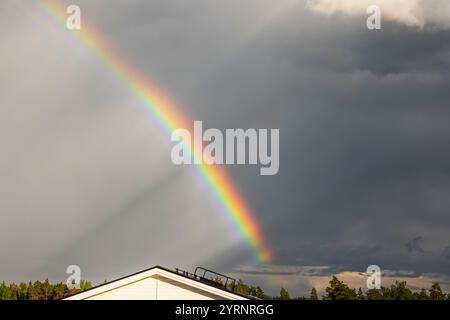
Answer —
39 290
421 295
338 290
397 291
313 295
360 295
436 292
257 292
284 295
374 294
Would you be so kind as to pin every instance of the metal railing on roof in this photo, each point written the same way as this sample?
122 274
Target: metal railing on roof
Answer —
210 277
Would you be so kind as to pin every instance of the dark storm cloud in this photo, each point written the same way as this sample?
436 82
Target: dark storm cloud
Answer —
415 245
446 253
364 163
363 121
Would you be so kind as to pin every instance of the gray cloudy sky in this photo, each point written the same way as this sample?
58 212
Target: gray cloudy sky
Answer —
86 176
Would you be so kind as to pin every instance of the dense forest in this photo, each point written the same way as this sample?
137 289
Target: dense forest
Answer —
336 290
39 290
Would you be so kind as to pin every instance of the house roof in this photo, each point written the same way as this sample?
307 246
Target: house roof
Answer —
165 272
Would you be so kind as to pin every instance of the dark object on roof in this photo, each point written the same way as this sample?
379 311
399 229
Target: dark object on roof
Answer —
215 279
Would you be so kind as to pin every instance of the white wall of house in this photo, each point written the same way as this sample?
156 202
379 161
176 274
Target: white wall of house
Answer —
156 284
154 289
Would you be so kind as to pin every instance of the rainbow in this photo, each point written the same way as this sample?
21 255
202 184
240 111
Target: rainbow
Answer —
169 117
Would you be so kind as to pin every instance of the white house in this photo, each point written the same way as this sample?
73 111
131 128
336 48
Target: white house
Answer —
158 283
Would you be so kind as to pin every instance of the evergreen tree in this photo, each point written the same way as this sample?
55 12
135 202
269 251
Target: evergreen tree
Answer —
259 293
284 295
338 290
436 292
397 291
421 295
313 295
3 291
374 294
361 294
22 293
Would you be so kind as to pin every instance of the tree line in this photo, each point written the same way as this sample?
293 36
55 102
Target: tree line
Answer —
336 290
39 290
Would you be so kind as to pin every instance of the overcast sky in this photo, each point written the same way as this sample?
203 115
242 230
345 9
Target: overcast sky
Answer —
86 175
